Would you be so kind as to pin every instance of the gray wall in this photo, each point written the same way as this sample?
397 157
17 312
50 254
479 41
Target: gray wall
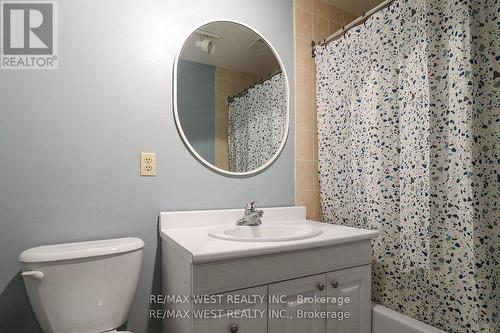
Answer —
196 98
70 139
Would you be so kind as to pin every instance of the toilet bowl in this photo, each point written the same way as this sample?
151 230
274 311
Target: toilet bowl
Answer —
84 287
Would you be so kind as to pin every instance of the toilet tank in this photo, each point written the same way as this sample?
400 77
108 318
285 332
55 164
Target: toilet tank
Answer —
82 287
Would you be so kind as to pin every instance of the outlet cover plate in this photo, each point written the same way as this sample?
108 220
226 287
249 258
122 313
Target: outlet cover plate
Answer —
148 164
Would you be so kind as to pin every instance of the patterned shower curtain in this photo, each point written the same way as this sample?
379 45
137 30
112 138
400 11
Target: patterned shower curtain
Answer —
408 120
256 124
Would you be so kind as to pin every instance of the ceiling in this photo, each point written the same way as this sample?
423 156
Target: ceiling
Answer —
232 49
356 7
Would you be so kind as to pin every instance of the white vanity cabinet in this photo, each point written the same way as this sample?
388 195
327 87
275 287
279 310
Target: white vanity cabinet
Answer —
347 303
291 305
335 264
354 284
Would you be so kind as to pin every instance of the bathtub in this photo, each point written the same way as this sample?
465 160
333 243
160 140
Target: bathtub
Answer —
386 320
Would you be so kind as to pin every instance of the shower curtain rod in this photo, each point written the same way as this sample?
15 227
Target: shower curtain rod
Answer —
244 92
354 23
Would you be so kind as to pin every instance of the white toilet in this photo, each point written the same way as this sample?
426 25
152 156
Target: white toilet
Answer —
85 287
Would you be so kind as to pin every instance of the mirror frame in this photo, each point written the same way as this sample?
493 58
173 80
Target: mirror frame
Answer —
176 110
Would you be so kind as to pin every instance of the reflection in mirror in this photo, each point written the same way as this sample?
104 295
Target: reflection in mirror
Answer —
232 103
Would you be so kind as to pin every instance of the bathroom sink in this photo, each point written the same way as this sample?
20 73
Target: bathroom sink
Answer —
264 233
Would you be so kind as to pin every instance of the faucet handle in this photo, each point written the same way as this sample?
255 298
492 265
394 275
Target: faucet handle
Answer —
251 206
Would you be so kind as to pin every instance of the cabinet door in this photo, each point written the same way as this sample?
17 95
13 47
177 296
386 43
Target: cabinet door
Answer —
354 284
242 311
286 309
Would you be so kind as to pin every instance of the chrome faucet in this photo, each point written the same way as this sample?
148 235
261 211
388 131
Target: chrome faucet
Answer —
252 217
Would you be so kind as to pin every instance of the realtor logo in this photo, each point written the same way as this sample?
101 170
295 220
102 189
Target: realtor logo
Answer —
29 35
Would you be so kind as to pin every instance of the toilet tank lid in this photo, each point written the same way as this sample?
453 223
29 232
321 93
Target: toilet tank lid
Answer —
81 249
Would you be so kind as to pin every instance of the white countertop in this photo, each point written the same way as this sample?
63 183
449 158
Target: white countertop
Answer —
188 230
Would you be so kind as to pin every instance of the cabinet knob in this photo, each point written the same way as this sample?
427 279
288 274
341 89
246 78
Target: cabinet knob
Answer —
335 284
233 328
321 286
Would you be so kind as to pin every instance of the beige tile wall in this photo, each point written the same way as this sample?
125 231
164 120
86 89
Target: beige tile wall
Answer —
314 20
227 83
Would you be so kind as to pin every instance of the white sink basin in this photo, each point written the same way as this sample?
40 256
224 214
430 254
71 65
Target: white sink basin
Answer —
264 233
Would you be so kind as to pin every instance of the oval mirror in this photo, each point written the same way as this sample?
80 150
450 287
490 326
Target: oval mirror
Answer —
231 98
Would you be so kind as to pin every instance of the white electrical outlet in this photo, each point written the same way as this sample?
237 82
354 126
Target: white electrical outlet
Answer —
148 164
